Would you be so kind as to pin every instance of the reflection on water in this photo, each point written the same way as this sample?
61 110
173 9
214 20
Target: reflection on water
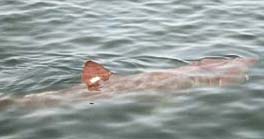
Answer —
44 44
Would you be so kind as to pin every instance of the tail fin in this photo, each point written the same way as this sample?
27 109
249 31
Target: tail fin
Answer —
93 73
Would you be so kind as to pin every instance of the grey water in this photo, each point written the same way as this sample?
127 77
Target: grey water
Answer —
44 44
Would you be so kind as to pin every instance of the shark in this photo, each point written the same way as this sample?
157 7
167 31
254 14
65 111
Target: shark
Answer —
206 72
99 82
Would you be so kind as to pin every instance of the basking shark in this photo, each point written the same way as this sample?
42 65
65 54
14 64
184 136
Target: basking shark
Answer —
206 72
99 82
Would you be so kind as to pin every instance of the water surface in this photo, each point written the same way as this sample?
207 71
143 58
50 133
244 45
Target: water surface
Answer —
44 44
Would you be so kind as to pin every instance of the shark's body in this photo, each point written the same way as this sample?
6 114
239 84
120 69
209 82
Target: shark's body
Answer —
102 83
207 72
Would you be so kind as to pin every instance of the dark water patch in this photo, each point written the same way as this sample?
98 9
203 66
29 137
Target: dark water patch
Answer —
86 40
39 5
13 61
242 36
117 44
13 19
48 133
12 3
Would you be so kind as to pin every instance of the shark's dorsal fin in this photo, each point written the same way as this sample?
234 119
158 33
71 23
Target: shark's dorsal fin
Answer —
93 73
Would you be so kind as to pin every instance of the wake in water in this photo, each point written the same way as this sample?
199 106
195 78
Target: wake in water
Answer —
99 82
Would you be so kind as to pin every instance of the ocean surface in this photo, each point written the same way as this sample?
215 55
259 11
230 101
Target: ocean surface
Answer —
44 44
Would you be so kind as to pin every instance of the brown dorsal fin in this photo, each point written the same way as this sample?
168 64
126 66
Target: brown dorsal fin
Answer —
93 73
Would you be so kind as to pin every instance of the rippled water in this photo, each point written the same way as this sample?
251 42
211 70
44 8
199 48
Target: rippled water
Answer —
44 44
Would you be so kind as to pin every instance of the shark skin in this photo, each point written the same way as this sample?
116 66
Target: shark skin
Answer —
203 73
101 83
